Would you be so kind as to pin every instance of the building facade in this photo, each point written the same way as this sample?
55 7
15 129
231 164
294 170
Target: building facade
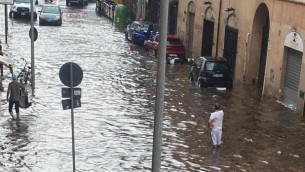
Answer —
261 39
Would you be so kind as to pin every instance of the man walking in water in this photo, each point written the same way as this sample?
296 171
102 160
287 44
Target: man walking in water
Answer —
215 123
13 96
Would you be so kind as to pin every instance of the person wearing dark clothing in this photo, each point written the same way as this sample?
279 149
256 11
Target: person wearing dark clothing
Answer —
13 96
1 65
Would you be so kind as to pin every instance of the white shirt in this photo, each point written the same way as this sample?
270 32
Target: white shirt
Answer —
217 118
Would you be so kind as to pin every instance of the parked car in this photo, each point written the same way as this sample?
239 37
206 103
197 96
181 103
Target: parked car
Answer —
139 31
50 14
174 47
21 8
212 72
80 2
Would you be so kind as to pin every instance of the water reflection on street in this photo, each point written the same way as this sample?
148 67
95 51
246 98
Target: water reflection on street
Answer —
114 126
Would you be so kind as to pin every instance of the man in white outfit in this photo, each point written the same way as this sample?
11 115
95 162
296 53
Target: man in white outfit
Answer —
215 123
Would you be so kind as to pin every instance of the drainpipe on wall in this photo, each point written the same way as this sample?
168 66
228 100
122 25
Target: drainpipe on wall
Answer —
218 25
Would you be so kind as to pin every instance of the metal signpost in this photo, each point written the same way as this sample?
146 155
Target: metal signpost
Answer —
158 121
6 2
71 75
32 46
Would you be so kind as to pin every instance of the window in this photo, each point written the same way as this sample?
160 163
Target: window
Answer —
175 41
53 10
216 66
199 62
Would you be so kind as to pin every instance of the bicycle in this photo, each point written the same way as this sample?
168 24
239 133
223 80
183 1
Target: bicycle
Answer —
25 75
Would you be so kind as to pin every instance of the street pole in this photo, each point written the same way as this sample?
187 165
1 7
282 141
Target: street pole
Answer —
32 48
158 121
6 24
72 115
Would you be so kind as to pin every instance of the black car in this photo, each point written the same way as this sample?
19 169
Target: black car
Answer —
212 72
50 14
80 2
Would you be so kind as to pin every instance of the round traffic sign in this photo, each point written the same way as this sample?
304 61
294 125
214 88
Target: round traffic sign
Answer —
35 34
65 74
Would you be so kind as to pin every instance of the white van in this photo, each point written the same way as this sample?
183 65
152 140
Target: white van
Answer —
21 8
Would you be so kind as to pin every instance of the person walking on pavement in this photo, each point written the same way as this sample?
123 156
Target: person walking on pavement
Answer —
1 54
215 123
13 96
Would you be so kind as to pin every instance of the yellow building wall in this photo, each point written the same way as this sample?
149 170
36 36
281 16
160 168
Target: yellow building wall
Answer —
285 16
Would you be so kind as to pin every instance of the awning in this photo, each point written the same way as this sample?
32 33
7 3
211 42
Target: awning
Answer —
6 61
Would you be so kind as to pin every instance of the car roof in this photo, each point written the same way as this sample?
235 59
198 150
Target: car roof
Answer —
211 58
50 5
142 22
172 36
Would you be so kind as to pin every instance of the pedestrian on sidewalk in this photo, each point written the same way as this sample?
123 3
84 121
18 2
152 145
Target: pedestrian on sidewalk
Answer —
1 65
215 123
13 96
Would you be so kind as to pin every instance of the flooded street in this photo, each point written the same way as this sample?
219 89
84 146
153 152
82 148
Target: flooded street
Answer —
114 126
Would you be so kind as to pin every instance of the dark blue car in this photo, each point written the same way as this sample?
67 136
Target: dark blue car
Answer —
139 31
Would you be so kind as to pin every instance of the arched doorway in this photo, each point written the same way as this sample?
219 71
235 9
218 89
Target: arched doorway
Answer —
231 40
207 33
259 46
190 28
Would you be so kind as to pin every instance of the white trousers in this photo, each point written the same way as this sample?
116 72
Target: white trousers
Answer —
216 136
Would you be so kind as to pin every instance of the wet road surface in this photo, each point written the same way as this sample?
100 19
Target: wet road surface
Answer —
114 126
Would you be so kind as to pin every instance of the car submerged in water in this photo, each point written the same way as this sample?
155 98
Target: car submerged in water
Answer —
212 72
139 31
174 47
50 14
21 9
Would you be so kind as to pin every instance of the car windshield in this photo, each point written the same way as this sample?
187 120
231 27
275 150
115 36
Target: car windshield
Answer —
143 27
50 9
175 41
23 1
216 66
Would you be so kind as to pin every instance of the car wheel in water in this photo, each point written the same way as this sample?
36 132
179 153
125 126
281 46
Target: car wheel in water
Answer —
202 84
230 85
199 83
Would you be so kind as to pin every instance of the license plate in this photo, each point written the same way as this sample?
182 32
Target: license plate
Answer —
172 55
22 14
217 75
